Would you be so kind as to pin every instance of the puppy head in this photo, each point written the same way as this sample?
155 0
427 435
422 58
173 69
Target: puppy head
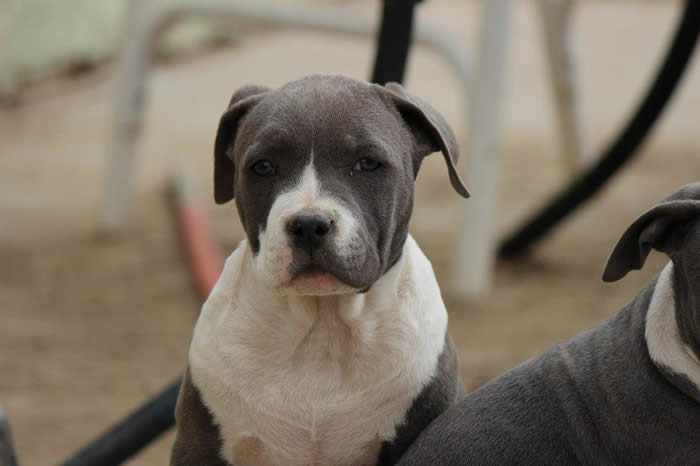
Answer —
322 171
672 227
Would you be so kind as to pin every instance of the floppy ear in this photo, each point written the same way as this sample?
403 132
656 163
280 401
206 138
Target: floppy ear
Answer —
241 102
430 129
655 229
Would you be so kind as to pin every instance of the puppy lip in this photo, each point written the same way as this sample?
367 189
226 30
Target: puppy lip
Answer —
314 276
313 271
318 282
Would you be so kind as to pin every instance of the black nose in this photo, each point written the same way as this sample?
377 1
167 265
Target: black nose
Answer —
308 231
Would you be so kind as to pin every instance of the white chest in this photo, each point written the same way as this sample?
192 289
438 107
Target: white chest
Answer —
315 381
295 420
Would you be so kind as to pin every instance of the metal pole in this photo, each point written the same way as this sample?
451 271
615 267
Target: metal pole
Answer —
474 257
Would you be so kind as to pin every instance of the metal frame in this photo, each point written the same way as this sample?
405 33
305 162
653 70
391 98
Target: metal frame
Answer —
475 254
555 18
474 258
146 22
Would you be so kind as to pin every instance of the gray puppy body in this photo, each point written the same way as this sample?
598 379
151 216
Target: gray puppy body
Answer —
626 392
597 399
324 340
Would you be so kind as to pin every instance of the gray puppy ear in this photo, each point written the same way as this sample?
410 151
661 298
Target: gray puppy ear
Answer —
430 129
655 229
224 170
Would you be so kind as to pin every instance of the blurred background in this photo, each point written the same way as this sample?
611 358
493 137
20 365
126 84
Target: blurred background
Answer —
92 325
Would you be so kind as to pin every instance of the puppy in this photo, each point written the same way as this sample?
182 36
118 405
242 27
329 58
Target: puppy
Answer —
627 392
324 341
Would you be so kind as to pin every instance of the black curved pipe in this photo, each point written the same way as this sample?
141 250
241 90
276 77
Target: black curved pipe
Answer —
622 149
133 433
394 41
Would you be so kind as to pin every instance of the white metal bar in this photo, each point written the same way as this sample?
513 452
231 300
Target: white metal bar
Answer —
474 257
146 24
130 95
555 21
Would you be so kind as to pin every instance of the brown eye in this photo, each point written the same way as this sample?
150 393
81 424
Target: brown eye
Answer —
366 165
263 168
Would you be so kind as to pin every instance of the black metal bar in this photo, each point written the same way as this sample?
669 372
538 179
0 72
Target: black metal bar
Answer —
394 41
8 457
129 436
623 148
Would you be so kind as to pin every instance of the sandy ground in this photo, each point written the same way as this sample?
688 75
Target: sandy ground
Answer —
90 328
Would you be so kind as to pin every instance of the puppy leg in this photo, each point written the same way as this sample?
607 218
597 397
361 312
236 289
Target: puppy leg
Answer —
197 441
444 390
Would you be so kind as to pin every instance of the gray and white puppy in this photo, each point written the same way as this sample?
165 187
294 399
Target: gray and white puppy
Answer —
627 392
324 341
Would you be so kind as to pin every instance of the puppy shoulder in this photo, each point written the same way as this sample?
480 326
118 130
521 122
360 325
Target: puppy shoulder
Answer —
197 438
222 297
444 389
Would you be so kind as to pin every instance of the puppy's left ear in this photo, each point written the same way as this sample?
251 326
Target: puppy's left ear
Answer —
224 170
431 131
659 228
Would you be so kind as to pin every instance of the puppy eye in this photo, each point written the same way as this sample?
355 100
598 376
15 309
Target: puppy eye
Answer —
263 168
366 164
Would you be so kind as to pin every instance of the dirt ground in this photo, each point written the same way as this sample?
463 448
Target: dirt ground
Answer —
93 326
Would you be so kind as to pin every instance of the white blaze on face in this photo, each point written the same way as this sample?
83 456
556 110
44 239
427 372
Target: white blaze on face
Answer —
276 252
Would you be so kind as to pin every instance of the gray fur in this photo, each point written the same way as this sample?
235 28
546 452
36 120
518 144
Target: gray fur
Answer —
198 440
672 227
8 456
445 389
597 399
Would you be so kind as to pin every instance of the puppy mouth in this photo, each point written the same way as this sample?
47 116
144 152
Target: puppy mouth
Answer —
320 272
313 272
317 281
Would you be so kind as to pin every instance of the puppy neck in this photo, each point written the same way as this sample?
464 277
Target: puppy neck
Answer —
401 317
667 349
405 295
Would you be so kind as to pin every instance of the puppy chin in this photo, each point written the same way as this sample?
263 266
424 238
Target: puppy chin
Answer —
318 283
312 283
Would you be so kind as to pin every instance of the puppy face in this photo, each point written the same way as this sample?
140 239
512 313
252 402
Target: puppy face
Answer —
322 172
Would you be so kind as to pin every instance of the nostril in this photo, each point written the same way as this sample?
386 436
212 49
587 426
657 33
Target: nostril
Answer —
322 229
295 228
309 227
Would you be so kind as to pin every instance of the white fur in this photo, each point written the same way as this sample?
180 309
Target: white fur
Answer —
663 339
315 380
275 255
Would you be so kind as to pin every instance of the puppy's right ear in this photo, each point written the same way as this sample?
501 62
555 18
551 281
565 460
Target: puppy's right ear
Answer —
224 170
430 129
660 228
